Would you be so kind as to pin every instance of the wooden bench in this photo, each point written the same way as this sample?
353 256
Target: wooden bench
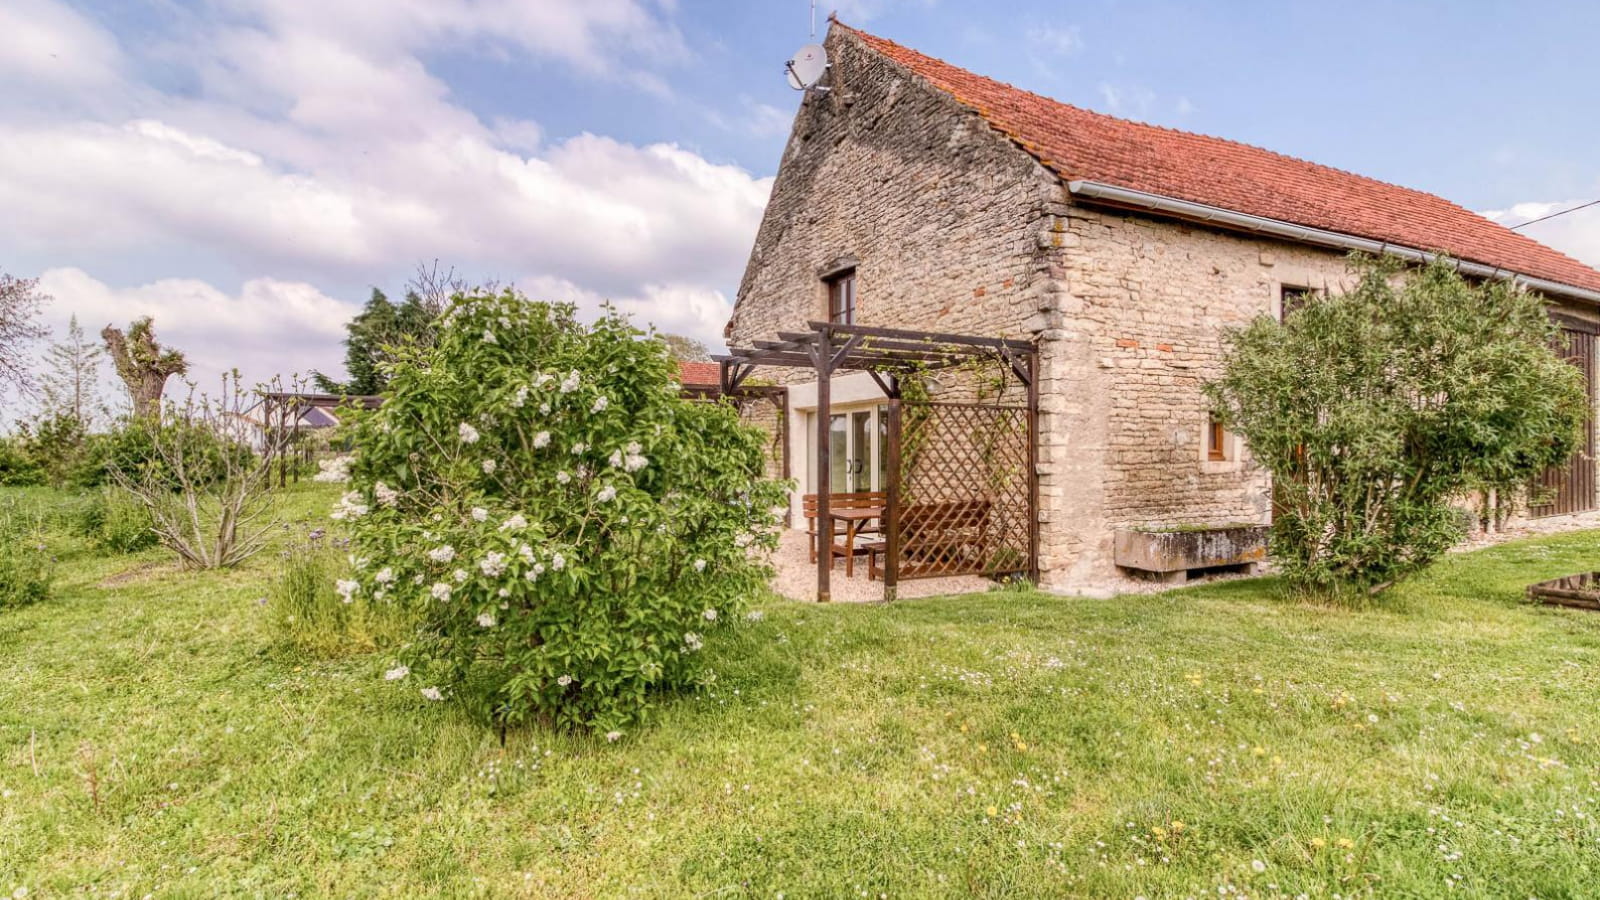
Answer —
850 500
942 538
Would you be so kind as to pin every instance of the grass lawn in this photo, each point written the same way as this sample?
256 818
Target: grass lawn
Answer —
156 739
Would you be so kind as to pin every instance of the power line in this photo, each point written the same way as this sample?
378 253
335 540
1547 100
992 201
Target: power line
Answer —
1554 214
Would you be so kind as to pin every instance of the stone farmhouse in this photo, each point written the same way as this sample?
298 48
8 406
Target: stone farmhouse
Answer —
914 194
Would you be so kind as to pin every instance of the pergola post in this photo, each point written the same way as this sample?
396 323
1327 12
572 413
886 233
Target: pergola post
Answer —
822 359
891 550
1033 466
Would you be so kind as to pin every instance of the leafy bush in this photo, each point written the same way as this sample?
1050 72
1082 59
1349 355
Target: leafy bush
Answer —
308 611
27 567
1376 409
17 466
569 531
116 522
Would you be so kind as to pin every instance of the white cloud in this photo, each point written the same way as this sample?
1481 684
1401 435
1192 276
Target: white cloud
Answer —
43 43
268 327
1055 40
313 139
686 309
1130 101
1576 234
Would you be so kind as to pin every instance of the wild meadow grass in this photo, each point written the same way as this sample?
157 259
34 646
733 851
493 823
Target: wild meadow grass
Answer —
158 736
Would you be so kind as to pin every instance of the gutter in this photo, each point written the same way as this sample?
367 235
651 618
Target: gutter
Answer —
1224 218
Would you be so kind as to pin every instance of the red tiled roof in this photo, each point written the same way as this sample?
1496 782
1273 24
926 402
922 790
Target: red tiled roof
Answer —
699 373
1079 144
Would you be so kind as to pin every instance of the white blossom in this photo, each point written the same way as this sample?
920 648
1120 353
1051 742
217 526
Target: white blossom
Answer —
488 337
544 409
489 466
692 641
563 477
699 565
613 736
335 470
709 615
397 673
517 522
580 448
634 462
493 564
600 404
469 435
526 552
349 507
615 459
440 591
442 554
607 494
346 588
432 693
387 496
564 680
460 575
502 594
384 576
520 397
479 514
542 439
558 562
485 620
542 379
570 383
755 615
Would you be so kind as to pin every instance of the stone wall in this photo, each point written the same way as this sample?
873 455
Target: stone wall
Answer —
939 212
1136 329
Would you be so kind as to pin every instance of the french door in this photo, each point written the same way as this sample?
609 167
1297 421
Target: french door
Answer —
856 451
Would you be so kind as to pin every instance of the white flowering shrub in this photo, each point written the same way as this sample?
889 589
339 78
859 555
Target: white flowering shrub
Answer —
570 532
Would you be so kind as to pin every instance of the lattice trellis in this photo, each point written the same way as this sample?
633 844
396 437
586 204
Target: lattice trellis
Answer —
966 504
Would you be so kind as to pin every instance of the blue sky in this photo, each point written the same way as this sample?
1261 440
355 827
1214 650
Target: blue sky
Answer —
246 170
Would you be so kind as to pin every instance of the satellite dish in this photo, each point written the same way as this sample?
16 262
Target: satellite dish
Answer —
808 66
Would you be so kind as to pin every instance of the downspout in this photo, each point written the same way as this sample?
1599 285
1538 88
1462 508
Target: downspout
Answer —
1214 215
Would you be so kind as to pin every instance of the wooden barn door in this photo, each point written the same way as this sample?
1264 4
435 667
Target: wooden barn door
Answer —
1562 490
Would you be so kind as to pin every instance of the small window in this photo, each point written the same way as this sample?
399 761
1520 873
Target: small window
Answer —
1292 298
842 298
1216 439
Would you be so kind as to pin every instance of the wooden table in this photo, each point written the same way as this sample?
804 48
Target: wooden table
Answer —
852 519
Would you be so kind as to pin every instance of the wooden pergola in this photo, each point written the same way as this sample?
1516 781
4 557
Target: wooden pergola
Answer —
289 406
887 355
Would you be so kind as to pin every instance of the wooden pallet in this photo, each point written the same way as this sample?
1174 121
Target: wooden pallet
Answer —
1581 591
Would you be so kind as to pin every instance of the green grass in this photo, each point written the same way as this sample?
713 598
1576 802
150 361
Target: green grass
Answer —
155 737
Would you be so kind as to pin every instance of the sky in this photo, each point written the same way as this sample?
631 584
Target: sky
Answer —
247 171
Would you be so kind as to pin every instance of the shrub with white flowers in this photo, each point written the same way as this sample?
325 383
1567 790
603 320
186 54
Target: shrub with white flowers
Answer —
571 532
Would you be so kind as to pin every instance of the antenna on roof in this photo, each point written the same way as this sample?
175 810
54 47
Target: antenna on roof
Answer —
810 62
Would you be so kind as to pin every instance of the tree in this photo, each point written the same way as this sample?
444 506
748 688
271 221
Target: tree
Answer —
207 493
1376 410
374 336
71 383
143 364
20 301
686 349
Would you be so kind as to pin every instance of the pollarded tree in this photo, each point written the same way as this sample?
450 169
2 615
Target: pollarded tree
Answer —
143 364
569 531
1375 410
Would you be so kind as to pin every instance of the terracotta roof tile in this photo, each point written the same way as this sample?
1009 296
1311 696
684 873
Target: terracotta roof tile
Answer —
1079 144
699 373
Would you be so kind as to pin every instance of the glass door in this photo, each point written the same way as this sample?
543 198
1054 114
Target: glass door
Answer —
856 451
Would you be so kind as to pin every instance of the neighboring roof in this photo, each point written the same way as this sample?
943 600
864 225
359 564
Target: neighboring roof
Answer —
707 374
1078 144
